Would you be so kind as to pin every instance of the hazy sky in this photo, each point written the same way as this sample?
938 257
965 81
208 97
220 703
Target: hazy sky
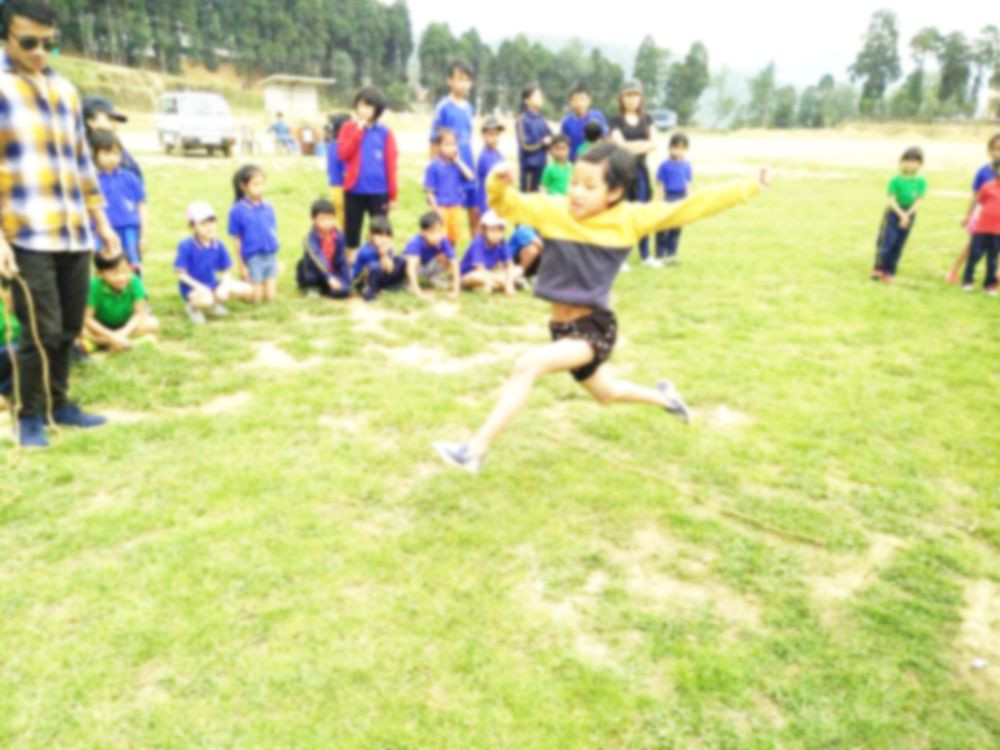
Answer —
806 39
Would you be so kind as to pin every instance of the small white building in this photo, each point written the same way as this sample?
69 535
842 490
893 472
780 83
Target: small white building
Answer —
295 96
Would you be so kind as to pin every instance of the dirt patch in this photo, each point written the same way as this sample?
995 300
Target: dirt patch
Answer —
978 642
853 573
121 416
722 417
435 361
224 404
369 318
342 425
271 356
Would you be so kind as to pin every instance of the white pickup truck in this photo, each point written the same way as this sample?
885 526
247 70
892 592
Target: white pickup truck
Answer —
188 120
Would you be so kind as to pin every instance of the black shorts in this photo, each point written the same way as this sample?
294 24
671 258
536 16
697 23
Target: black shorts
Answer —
599 329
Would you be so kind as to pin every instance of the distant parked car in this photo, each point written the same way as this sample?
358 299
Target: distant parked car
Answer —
188 120
664 119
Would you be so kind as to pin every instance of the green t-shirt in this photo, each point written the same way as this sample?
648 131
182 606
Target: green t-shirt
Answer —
555 178
908 189
15 328
111 308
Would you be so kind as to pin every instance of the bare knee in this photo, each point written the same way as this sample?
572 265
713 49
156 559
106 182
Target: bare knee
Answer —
528 366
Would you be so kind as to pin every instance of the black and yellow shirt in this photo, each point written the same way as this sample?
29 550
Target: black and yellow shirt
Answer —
581 257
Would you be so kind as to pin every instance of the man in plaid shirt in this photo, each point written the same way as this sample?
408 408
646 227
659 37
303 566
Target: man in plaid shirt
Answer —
49 198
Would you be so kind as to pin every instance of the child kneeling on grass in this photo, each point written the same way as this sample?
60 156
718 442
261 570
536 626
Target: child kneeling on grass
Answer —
377 267
117 308
323 268
430 257
587 239
202 267
486 265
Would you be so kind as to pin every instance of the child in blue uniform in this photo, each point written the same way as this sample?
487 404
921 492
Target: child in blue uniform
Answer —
431 257
580 115
254 229
323 268
488 158
675 177
377 267
486 265
455 113
533 138
124 195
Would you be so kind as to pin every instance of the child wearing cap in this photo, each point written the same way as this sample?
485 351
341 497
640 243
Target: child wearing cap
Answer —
323 269
430 257
555 178
579 118
99 114
117 306
124 196
488 159
377 268
486 265
444 182
203 265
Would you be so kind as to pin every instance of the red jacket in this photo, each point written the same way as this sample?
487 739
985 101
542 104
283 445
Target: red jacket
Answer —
989 205
356 143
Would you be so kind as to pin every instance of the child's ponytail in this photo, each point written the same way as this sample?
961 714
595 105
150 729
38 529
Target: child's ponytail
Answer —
243 175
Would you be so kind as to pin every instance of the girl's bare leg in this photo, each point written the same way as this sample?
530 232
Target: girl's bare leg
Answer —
560 356
607 390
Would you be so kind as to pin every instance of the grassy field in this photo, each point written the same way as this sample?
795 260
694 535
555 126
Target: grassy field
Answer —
262 551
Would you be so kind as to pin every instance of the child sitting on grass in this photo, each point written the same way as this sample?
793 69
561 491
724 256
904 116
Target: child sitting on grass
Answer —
430 257
906 190
555 178
587 239
486 265
124 196
525 249
10 336
986 240
117 308
202 268
323 269
446 182
377 267
254 229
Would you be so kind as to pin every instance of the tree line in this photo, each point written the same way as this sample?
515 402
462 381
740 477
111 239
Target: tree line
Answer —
367 41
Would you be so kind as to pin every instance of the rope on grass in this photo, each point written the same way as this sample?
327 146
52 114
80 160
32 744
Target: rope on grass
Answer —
648 474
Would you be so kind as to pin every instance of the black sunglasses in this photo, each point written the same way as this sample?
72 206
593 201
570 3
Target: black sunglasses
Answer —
31 43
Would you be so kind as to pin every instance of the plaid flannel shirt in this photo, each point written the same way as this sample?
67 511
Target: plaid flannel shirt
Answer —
48 182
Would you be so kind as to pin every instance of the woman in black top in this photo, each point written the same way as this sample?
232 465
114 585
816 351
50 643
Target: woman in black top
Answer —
632 129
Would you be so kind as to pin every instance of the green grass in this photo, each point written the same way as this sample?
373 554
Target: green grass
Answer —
298 571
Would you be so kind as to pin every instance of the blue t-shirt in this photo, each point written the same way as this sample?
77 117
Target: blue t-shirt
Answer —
334 166
675 176
446 181
372 176
201 262
519 239
256 227
487 160
365 257
123 192
418 246
572 128
984 175
456 116
482 254
531 131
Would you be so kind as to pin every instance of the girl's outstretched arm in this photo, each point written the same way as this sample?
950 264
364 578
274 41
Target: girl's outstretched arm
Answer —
533 209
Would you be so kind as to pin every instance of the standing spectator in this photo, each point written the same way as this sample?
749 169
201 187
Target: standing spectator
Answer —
455 112
631 129
533 138
283 139
580 115
48 197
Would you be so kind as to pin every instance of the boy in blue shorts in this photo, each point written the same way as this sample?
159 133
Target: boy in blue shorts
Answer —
675 177
455 113
486 265
124 195
489 158
377 268
431 257
203 265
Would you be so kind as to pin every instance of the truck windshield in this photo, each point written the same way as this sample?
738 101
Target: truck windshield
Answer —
204 107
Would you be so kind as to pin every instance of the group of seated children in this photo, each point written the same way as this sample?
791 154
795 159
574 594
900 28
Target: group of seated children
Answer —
981 221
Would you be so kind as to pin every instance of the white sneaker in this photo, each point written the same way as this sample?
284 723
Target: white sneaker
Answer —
195 316
219 310
457 454
675 403
626 268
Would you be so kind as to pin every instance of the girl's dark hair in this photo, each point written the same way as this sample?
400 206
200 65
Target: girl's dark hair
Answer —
373 97
322 206
103 263
913 154
459 66
380 225
103 140
679 139
39 11
337 121
994 140
430 220
642 101
243 175
619 166
526 93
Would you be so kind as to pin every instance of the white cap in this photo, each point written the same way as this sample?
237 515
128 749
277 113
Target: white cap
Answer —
491 219
199 211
